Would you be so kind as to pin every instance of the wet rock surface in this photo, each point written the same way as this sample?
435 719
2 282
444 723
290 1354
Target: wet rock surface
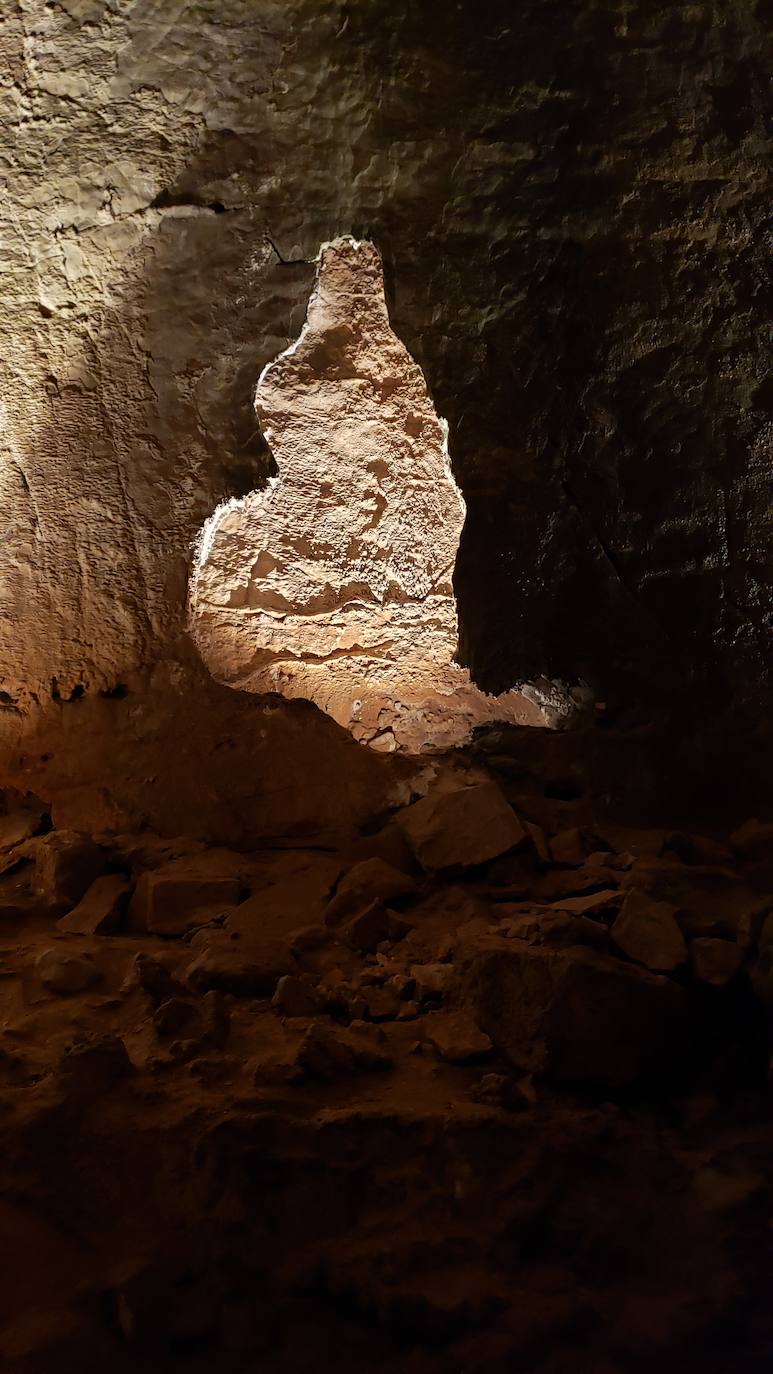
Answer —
420 1115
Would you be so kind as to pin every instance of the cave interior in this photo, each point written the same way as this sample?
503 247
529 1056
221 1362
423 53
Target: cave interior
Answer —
386 829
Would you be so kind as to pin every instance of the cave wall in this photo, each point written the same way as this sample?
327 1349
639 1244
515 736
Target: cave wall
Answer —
569 199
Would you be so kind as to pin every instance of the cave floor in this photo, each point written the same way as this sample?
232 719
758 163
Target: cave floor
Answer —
485 1089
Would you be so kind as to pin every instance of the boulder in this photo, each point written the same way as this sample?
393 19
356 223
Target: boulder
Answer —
330 1052
568 848
371 927
102 909
66 973
66 864
18 827
375 878
456 1038
245 968
648 932
461 828
294 997
184 894
577 1015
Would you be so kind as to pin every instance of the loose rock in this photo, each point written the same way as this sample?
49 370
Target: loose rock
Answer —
66 973
648 932
467 826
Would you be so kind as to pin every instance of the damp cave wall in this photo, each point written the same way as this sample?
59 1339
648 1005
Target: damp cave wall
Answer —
569 197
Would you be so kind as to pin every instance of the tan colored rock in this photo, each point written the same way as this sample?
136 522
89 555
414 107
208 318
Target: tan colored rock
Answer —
17 827
66 973
461 828
330 1052
335 582
603 901
66 865
576 1014
245 968
371 927
375 878
715 961
456 1038
568 847
294 997
102 909
648 932
183 894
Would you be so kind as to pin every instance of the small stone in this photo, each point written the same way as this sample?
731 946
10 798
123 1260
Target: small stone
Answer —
568 848
66 973
366 931
461 828
456 1037
647 931
596 902
334 1053
384 1004
294 998
375 878
497 1090
432 980
539 841
101 910
156 978
408 1011
88 1070
715 961
66 864
174 1016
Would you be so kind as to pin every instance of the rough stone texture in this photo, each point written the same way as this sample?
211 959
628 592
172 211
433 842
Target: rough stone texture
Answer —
334 583
461 827
570 201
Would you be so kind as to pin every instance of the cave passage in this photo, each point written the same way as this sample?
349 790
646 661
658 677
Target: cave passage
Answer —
335 582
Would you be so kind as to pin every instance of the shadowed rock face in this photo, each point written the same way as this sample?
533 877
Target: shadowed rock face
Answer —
335 582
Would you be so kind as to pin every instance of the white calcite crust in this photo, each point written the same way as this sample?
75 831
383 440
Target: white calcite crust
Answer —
334 583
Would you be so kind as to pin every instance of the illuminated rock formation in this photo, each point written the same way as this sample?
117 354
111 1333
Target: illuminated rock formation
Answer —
334 583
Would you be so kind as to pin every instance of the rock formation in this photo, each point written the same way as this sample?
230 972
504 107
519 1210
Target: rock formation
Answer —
335 582
313 1058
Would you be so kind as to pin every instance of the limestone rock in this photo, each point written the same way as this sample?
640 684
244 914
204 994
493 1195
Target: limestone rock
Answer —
568 848
183 894
294 997
371 926
576 1014
18 827
595 903
102 908
66 865
648 932
376 878
330 1053
461 828
245 968
456 1038
66 973
335 581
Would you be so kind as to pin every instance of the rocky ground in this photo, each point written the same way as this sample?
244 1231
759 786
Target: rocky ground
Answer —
484 1089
